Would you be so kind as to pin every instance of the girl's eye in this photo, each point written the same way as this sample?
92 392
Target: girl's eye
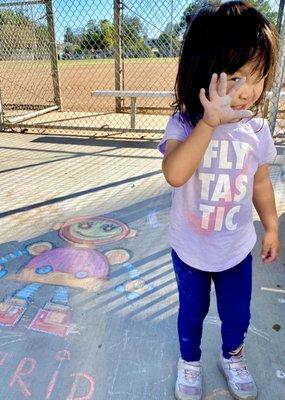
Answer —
233 79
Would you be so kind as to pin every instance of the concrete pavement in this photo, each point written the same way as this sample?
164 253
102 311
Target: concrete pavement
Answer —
88 297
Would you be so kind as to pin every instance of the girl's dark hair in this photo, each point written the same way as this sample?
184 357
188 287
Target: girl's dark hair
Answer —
222 38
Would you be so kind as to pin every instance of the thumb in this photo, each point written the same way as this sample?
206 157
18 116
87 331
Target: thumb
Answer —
264 251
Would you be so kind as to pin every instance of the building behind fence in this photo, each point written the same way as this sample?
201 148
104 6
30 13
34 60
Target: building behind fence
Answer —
55 54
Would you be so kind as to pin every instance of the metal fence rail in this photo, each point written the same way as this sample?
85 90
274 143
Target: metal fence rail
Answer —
55 54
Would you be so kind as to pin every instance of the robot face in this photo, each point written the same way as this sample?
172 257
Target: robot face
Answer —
93 231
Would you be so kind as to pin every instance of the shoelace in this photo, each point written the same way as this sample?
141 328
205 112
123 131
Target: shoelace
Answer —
191 375
242 371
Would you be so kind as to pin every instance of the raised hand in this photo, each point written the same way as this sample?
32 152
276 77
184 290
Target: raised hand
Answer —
217 109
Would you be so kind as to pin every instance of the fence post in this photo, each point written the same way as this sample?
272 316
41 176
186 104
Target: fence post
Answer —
118 52
277 84
2 124
53 52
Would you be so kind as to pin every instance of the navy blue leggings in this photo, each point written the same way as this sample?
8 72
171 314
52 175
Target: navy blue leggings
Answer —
233 292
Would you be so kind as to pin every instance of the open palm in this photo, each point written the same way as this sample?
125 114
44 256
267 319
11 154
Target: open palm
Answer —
217 109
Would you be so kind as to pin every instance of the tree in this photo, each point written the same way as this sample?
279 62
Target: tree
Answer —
97 36
266 9
134 38
263 6
69 36
168 43
21 37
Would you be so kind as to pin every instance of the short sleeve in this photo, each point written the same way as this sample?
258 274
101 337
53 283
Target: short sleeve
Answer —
267 149
175 129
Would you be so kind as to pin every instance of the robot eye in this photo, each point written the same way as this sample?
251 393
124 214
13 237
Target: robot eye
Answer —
85 225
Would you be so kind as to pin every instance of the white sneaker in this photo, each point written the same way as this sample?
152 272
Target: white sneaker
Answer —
189 380
240 382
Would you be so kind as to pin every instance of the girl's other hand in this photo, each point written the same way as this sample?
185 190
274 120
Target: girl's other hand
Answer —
270 246
217 109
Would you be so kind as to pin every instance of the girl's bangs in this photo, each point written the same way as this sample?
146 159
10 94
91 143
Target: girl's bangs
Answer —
260 58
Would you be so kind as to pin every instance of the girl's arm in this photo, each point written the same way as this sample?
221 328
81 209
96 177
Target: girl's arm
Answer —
181 159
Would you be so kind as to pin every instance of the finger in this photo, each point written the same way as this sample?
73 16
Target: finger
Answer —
213 87
243 114
222 88
236 86
203 98
272 254
265 252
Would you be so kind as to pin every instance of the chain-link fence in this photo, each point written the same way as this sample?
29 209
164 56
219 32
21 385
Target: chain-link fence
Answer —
88 67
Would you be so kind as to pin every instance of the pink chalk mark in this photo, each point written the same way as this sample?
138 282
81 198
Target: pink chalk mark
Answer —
63 355
3 357
91 382
72 260
17 377
51 385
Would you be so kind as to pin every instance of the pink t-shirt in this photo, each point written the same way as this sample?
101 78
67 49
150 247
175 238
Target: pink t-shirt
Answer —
211 225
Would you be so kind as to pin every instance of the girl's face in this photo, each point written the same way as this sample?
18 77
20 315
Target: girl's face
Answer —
250 91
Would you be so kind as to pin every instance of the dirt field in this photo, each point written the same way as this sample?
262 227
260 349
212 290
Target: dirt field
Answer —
31 83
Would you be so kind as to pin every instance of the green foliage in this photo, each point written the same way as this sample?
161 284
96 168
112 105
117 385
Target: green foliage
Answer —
263 6
22 37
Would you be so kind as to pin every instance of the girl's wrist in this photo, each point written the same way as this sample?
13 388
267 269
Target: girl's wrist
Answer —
207 123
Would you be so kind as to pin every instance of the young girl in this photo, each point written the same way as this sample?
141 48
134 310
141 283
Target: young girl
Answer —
216 153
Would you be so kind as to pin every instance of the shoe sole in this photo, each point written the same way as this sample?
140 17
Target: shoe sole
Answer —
177 397
235 396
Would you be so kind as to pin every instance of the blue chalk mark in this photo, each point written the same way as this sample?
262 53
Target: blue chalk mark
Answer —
150 287
129 266
3 272
81 274
120 288
28 291
134 273
60 295
11 256
132 296
44 270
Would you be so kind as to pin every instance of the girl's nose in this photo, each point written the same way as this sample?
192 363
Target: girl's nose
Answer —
246 92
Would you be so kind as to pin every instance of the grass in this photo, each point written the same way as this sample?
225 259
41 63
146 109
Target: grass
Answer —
23 64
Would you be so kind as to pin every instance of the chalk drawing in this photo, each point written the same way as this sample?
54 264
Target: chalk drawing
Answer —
39 247
94 231
12 308
280 374
60 356
117 256
136 286
66 266
273 290
54 319
33 249
152 219
23 378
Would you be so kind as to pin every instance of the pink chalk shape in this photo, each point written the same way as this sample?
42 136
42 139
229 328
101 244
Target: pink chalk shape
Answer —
52 321
72 261
93 231
10 313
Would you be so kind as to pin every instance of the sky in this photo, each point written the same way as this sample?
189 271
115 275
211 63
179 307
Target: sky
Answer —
154 14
